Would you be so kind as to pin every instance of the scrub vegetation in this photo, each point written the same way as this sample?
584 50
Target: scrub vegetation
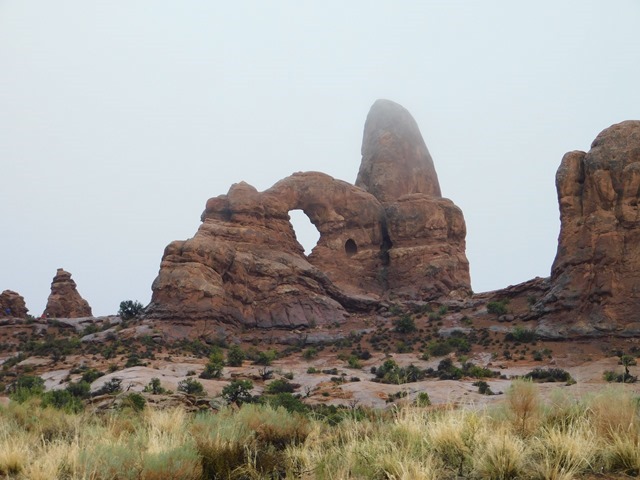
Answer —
522 438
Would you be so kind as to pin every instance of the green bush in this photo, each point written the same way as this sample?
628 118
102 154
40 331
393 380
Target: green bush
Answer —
483 387
213 369
287 401
79 389
405 324
235 356
422 399
522 335
155 387
543 375
238 392
134 401
280 386
191 386
62 400
498 308
265 358
310 353
25 387
130 309
111 387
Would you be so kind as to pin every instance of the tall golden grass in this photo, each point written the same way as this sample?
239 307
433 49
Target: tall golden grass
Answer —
524 438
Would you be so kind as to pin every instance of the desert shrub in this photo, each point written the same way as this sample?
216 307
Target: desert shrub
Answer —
91 375
483 387
544 375
130 309
215 365
280 385
238 392
312 370
191 386
422 399
522 335
111 387
288 401
524 405
390 372
155 387
235 356
133 401
456 343
133 360
25 387
405 324
310 353
79 389
265 358
354 362
498 307
62 400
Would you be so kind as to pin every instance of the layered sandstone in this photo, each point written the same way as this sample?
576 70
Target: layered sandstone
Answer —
390 235
595 278
12 305
64 300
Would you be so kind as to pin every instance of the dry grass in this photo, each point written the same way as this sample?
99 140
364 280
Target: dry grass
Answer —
565 439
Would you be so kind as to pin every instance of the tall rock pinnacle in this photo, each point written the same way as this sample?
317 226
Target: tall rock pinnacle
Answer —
395 159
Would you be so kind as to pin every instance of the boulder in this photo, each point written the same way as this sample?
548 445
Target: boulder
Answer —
64 300
391 234
12 305
595 277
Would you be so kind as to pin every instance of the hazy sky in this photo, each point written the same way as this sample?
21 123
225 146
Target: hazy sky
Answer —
119 119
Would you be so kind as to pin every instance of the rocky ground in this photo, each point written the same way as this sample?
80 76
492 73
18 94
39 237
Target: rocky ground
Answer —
330 365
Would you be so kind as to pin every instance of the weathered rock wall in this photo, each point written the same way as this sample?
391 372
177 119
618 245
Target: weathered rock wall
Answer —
595 278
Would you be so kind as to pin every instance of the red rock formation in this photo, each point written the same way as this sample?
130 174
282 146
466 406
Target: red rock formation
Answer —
395 159
64 300
12 305
595 278
245 266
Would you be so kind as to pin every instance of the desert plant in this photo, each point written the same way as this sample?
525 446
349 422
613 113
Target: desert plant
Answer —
235 356
524 406
111 387
405 324
130 309
498 307
155 387
238 392
215 365
191 386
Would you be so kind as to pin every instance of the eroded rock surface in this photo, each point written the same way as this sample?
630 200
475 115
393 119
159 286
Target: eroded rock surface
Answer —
595 278
12 305
64 300
395 236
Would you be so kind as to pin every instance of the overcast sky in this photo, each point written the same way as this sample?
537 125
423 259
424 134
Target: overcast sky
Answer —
119 119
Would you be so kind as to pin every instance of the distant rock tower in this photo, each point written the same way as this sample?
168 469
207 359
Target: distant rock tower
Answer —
64 300
12 305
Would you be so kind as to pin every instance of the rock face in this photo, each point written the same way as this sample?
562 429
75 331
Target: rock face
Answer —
595 278
64 300
12 305
390 235
395 159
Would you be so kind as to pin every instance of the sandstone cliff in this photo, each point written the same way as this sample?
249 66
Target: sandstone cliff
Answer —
595 278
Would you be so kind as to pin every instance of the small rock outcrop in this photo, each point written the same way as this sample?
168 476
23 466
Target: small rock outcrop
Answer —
595 278
12 305
390 235
64 300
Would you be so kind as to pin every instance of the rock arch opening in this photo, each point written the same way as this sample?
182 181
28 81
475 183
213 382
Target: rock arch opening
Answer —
350 247
306 232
